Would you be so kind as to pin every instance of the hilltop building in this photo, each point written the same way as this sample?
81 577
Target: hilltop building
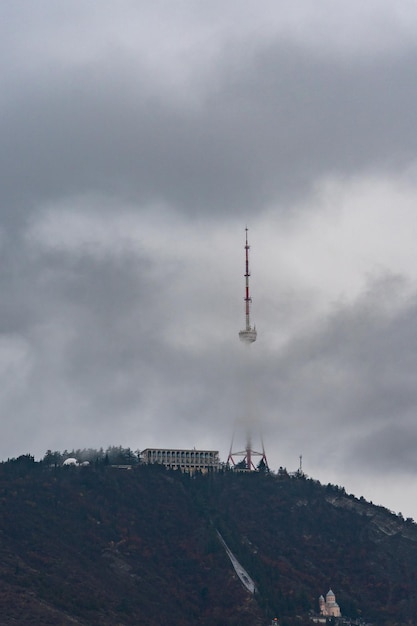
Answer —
328 607
189 461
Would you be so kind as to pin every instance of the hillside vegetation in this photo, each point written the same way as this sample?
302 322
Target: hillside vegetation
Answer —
100 545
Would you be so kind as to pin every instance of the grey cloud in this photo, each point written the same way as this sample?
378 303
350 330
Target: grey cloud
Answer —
390 448
94 346
100 357
103 363
266 127
349 383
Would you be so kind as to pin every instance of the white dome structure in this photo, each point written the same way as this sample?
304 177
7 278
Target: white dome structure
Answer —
70 461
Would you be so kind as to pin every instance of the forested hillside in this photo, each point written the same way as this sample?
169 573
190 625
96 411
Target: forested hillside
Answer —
100 545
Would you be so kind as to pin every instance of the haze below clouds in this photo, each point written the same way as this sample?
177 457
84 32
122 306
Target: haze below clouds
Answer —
138 142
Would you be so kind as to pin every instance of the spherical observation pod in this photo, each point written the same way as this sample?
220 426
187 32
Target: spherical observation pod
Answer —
248 336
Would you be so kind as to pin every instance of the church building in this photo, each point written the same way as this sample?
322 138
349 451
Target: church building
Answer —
328 607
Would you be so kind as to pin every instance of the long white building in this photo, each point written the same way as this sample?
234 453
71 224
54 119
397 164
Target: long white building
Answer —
184 460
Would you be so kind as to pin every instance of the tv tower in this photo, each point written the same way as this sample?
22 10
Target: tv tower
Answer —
247 336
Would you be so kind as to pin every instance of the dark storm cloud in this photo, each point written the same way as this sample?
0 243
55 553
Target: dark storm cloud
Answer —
263 128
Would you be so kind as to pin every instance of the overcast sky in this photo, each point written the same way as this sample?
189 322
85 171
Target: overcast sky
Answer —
138 140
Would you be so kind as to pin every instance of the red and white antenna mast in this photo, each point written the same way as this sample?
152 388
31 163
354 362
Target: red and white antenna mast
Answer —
247 336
